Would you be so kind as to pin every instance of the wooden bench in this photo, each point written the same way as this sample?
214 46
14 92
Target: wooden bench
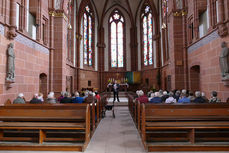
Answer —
94 110
41 126
185 127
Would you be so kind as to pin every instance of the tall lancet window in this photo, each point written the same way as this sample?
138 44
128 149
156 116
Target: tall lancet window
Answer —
116 28
88 36
147 35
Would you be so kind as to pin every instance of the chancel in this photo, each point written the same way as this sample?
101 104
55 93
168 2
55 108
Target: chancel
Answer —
104 76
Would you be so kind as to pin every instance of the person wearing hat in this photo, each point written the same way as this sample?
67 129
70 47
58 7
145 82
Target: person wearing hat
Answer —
20 99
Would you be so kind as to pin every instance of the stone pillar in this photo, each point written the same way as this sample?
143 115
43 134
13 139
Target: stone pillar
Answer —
51 53
38 20
12 32
101 46
176 40
25 9
134 49
59 55
223 31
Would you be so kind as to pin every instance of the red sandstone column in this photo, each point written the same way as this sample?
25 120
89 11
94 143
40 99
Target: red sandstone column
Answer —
51 43
223 31
38 20
101 47
12 31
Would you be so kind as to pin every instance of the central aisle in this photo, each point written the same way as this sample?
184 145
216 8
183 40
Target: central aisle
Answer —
117 135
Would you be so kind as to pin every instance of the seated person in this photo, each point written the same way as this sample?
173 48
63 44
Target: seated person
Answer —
77 99
198 98
40 96
183 98
177 95
214 98
20 99
191 96
156 98
170 99
67 98
151 96
165 96
204 97
85 94
35 100
61 96
142 97
97 96
90 98
51 98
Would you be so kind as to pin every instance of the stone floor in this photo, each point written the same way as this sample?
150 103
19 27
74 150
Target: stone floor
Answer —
117 135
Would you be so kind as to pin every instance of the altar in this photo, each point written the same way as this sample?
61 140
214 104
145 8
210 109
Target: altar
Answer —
122 87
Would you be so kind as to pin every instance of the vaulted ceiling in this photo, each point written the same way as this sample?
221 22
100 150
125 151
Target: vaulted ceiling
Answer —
131 6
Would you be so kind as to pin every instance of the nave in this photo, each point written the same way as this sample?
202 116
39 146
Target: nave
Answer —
113 135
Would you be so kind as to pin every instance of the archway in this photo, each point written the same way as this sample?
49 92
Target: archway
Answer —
43 84
195 78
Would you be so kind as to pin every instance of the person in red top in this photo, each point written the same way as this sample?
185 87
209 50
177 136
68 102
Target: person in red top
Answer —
97 96
142 98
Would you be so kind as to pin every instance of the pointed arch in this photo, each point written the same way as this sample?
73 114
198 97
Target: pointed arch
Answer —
117 49
87 30
148 31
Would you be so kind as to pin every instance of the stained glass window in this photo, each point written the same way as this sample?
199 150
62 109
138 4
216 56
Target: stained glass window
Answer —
165 7
87 36
117 39
147 28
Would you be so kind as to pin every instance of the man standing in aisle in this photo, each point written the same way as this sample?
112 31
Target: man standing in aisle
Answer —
116 90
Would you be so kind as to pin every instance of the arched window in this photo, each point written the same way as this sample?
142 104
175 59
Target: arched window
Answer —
88 39
147 35
116 31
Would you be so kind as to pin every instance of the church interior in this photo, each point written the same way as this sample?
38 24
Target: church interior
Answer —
138 50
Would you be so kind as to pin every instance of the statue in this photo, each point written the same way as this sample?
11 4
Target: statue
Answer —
224 61
11 65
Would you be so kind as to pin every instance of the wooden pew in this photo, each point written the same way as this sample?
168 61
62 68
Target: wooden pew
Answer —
44 123
92 105
185 127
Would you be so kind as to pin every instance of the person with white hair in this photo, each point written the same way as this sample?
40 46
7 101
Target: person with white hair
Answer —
142 97
204 97
35 99
67 98
151 96
165 96
184 91
170 99
160 93
61 96
156 98
51 98
77 99
90 98
20 99
198 98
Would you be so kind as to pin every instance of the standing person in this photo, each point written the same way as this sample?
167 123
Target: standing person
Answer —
115 90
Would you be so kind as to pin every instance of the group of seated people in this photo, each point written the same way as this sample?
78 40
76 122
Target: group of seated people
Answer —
66 97
177 96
